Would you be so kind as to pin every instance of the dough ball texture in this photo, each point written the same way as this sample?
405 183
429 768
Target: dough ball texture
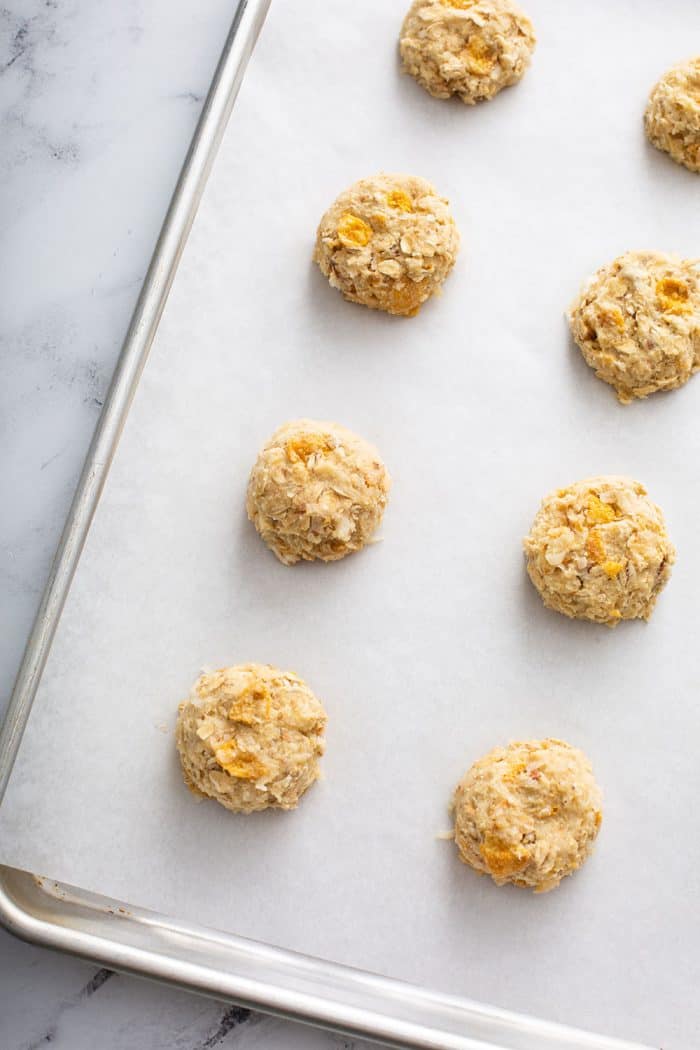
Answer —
388 243
672 118
250 737
528 813
598 550
317 491
637 323
469 48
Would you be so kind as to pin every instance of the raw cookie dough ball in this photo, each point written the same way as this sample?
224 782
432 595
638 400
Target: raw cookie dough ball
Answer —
528 813
637 323
598 550
470 48
672 118
250 737
388 242
317 491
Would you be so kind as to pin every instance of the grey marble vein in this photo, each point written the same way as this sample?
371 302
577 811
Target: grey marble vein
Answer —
92 986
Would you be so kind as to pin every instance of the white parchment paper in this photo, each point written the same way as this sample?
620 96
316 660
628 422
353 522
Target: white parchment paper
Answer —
431 647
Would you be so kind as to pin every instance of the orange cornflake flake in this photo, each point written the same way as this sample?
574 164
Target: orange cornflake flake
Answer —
240 764
353 232
399 200
595 548
613 568
406 299
307 445
599 513
252 705
613 317
480 56
674 296
244 767
500 858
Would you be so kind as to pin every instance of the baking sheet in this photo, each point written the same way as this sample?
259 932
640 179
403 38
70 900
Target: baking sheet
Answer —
430 647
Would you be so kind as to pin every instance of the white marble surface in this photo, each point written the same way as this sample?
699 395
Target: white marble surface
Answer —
97 105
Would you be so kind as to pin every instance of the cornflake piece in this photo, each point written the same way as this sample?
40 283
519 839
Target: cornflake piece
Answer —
672 117
637 323
388 243
316 491
469 48
598 550
250 737
528 813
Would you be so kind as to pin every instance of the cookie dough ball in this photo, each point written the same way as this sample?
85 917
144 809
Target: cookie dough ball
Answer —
388 243
672 118
598 550
250 737
528 813
469 48
317 491
637 323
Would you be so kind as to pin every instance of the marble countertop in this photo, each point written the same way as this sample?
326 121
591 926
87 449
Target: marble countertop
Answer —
97 106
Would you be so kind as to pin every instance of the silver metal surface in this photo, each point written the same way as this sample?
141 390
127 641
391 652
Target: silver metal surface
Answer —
268 978
144 943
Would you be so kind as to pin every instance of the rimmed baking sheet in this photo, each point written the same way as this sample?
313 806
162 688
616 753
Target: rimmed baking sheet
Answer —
431 646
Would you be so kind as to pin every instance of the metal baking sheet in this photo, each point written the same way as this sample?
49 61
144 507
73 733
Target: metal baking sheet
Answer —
431 646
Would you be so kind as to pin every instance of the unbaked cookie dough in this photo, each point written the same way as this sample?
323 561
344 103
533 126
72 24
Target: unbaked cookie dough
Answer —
637 323
388 243
250 737
317 491
528 813
598 550
469 48
672 118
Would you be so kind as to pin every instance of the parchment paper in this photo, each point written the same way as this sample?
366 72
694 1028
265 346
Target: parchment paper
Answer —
431 647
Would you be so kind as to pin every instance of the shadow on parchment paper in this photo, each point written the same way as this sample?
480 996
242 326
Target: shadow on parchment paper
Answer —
278 596
547 636
254 573
602 396
342 327
514 922
339 333
583 378
660 165
543 626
